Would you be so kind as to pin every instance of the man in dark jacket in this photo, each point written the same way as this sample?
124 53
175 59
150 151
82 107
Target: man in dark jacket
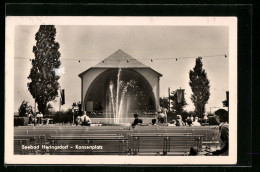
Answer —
222 118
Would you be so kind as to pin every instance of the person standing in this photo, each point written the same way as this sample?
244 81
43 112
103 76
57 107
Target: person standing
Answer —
30 118
222 118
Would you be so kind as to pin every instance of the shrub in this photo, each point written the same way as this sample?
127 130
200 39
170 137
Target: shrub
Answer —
21 121
63 117
25 109
171 115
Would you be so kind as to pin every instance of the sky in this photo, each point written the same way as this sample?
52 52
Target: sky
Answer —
91 44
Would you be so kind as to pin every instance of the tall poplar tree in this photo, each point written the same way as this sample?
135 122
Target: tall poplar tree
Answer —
44 83
199 84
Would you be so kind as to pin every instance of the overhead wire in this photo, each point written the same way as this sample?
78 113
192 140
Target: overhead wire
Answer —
128 60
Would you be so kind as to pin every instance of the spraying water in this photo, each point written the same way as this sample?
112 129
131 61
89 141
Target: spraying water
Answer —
117 95
118 102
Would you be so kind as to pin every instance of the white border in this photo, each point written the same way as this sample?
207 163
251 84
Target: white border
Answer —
11 22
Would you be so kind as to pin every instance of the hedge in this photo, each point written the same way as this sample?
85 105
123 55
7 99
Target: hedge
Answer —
21 121
63 117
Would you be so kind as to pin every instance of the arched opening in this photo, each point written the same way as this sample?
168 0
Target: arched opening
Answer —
133 95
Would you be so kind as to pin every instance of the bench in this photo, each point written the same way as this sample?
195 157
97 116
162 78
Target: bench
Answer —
33 140
18 146
89 144
163 142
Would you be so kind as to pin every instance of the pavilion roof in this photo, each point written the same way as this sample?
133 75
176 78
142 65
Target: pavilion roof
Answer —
119 59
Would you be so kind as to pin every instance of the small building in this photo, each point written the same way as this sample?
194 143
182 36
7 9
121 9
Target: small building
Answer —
120 81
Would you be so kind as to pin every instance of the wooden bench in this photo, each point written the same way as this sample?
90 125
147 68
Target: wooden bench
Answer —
18 146
163 142
33 140
110 143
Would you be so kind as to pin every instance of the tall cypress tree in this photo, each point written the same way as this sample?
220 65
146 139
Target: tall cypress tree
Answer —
199 84
44 83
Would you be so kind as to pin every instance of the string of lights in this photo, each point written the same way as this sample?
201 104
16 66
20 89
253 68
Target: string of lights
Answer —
129 60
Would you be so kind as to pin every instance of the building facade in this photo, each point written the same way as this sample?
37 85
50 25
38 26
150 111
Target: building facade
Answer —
120 81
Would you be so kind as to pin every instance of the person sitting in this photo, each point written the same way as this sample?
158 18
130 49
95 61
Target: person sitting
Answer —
179 121
172 123
189 122
222 118
85 119
154 122
162 115
196 123
193 152
136 121
78 120
192 118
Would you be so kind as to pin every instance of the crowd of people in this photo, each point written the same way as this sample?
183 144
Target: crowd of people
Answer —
178 121
162 120
190 121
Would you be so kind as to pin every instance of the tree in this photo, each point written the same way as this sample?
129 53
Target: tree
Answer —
44 83
177 107
164 102
25 109
199 84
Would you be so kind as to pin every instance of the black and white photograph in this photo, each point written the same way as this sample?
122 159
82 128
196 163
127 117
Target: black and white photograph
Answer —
121 90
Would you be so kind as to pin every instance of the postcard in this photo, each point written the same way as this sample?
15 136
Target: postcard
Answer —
121 90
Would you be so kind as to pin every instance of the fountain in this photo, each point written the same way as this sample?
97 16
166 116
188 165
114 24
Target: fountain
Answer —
119 99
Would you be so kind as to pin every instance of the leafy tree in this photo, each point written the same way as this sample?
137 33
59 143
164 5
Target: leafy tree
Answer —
177 107
25 109
164 102
44 83
199 84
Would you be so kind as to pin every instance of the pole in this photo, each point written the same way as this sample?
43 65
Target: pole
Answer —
169 90
59 105
73 115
